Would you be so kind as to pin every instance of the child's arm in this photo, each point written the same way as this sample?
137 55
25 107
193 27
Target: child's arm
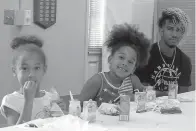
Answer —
142 86
137 83
91 88
26 113
11 115
14 118
161 93
29 90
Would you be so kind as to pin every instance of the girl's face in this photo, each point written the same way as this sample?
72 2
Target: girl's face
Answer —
123 62
29 66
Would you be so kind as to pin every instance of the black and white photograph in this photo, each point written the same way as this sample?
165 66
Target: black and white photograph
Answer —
97 65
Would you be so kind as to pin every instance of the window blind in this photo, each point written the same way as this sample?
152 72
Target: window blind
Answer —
96 23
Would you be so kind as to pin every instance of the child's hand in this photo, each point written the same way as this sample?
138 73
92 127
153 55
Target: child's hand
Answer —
29 90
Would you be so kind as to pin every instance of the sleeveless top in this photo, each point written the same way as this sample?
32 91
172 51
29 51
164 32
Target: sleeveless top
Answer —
107 93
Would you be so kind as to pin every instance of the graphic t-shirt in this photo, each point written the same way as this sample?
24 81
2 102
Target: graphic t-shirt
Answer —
42 107
160 74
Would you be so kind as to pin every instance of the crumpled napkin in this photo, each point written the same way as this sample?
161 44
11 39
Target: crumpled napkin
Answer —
185 99
109 109
150 105
67 123
72 123
63 123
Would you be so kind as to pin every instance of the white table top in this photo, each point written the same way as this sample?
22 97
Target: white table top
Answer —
144 121
186 120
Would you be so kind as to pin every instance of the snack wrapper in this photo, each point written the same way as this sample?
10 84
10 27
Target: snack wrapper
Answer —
108 109
55 110
150 106
167 106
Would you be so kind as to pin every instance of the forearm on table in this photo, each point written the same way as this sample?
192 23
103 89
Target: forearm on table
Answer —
161 93
25 116
183 89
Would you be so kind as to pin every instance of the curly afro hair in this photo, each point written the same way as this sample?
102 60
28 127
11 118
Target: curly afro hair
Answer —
128 35
175 15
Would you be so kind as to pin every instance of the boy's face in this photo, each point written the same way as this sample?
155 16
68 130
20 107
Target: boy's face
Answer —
171 33
29 66
123 62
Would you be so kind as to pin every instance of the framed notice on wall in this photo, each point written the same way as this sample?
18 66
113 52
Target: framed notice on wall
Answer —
45 13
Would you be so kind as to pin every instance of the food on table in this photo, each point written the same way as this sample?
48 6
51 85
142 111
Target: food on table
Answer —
169 106
109 109
173 110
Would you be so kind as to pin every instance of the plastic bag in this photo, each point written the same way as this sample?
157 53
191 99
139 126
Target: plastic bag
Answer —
109 109
167 106
55 109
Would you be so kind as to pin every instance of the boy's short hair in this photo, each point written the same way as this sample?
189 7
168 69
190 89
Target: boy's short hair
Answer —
17 42
175 15
128 35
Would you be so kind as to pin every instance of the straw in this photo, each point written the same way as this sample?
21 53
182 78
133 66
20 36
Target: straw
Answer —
116 99
136 90
71 96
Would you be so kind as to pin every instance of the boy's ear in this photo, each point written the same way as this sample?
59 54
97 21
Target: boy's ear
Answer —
161 31
14 71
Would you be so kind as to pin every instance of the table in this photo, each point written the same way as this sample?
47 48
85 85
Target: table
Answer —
151 121
186 120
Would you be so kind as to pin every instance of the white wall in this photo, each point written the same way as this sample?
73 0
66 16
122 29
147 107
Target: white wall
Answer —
142 14
64 46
